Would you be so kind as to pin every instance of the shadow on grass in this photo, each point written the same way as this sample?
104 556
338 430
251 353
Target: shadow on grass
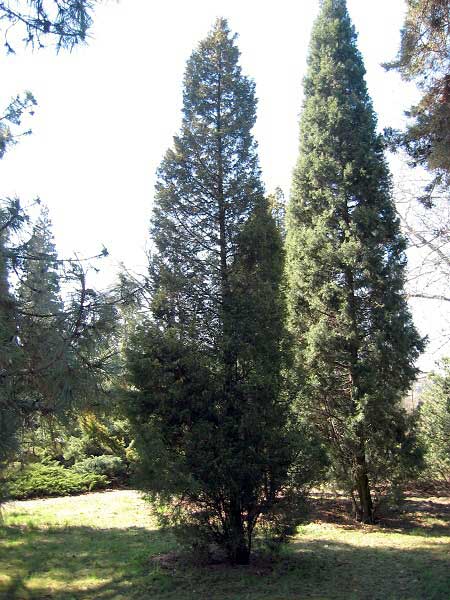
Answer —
84 563
76 562
417 516
332 569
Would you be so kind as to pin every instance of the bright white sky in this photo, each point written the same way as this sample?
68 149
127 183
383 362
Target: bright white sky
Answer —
107 112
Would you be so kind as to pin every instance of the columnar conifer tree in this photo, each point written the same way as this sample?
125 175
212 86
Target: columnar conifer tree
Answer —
213 428
354 338
42 321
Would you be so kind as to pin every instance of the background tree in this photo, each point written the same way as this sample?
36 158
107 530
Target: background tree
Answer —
40 315
354 338
214 432
434 424
427 229
10 356
424 58
64 343
56 353
30 349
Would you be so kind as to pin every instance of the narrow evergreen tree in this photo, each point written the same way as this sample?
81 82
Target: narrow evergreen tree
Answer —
214 433
354 338
42 321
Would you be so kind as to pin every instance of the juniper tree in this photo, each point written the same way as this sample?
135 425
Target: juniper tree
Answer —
355 341
214 432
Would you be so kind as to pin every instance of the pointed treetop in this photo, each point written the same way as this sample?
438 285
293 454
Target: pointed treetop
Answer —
335 65
333 5
221 24
219 34
333 28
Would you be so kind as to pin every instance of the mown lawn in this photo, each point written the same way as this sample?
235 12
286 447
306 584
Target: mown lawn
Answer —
106 546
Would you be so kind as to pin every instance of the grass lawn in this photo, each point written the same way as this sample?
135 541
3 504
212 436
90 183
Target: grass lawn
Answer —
106 546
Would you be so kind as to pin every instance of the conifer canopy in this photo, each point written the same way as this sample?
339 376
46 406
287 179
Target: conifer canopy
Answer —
215 433
355 341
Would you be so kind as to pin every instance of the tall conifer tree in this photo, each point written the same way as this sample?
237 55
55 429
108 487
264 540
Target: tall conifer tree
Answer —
354 338
206 365
42 321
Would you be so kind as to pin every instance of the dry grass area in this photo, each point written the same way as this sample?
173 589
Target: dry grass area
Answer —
105 546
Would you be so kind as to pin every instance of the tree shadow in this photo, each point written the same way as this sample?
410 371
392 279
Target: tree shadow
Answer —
419 516
338 570
85 563
77 562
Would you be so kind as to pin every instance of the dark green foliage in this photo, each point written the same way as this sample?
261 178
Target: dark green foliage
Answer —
112 467
434 424
41 480
41 323
90 445
54 355
11 356
215 434
101 433
354 338
63 345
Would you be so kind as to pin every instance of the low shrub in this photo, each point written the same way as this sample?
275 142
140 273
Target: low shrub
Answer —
39 480
112 467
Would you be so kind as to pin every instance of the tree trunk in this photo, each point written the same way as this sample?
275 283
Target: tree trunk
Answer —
365 510
241 555
238 546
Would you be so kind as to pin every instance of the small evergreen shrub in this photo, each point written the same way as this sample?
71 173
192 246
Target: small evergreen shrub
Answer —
112 467
38 480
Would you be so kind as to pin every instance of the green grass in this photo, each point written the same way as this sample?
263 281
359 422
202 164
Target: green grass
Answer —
106 546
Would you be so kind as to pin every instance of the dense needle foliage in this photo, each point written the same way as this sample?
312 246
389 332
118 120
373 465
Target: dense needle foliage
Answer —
215 432
434 424
355 340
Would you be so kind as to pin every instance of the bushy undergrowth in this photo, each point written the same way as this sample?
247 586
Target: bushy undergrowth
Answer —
112 467
37 480
60 459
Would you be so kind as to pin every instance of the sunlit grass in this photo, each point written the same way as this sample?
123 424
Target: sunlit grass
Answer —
121 509
106 546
